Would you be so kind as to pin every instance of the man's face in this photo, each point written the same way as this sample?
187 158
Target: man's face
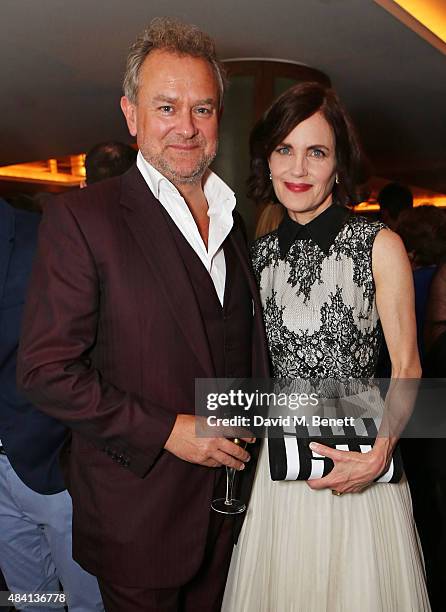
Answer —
175 118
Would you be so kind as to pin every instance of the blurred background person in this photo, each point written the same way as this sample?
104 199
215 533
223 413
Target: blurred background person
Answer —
35 508
392 200
423 230
30 466
23 201
108 159
3 587
430 477
435 326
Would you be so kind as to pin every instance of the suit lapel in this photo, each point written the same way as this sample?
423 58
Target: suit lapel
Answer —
242 254
260 360
7 233
142 213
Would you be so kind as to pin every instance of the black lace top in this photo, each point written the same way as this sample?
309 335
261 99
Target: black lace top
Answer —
318 296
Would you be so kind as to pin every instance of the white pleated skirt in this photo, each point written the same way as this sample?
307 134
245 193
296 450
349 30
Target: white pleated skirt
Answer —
310 551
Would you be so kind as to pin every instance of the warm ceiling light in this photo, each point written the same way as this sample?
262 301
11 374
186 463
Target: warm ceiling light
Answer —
68 171
373 206
425 17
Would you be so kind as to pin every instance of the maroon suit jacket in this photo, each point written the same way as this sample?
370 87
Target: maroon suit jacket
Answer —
111 344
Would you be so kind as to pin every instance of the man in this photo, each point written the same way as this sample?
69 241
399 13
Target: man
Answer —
393 199
142 285
35 508
108 159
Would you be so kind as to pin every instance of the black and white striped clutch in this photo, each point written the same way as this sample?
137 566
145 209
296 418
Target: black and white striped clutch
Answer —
290 457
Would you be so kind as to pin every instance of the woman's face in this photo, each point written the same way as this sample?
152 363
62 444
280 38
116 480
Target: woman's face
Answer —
303 168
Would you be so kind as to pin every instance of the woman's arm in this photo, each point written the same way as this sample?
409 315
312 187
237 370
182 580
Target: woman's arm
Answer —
395 300
396 307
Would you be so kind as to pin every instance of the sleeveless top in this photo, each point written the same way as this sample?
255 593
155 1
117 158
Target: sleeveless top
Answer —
319 301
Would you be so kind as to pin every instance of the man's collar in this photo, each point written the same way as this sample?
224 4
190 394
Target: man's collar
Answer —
221 199
152 176
215 190
323 229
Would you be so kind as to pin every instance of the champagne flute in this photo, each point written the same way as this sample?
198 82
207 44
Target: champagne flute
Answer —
227 504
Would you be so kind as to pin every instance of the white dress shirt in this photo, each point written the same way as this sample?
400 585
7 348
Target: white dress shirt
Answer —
221 202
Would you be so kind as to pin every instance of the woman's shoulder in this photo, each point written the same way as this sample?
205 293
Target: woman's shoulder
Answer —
265 251
361 230
264 242
361 223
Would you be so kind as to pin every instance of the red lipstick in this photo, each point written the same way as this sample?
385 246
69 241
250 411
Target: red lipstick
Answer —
298 187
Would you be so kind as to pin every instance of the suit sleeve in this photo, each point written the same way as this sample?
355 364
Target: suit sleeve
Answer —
58 332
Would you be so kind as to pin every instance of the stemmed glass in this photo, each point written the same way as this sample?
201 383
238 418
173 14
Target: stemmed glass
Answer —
229 505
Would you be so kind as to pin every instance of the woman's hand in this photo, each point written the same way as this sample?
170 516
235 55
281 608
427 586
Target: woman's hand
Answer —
352 471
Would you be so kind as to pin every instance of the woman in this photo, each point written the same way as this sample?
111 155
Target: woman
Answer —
326 289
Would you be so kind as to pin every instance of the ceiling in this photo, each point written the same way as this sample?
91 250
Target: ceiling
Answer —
62 63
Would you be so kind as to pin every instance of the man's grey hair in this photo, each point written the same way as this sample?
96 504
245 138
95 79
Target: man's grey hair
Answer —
168 34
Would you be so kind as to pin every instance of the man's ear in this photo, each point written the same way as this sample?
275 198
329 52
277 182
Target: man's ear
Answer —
129 110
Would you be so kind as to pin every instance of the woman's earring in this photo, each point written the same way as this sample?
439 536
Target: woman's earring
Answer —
270 177
337 179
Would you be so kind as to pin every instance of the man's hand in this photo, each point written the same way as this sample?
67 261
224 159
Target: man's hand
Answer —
352 471
212 452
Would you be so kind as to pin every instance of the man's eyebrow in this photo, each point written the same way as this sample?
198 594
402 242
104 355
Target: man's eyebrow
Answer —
161 98
205 101
171 100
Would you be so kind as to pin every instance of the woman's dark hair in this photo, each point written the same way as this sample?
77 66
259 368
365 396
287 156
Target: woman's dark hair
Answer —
294 106
423 231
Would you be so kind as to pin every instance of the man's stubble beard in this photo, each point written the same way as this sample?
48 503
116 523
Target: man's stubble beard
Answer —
165 168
